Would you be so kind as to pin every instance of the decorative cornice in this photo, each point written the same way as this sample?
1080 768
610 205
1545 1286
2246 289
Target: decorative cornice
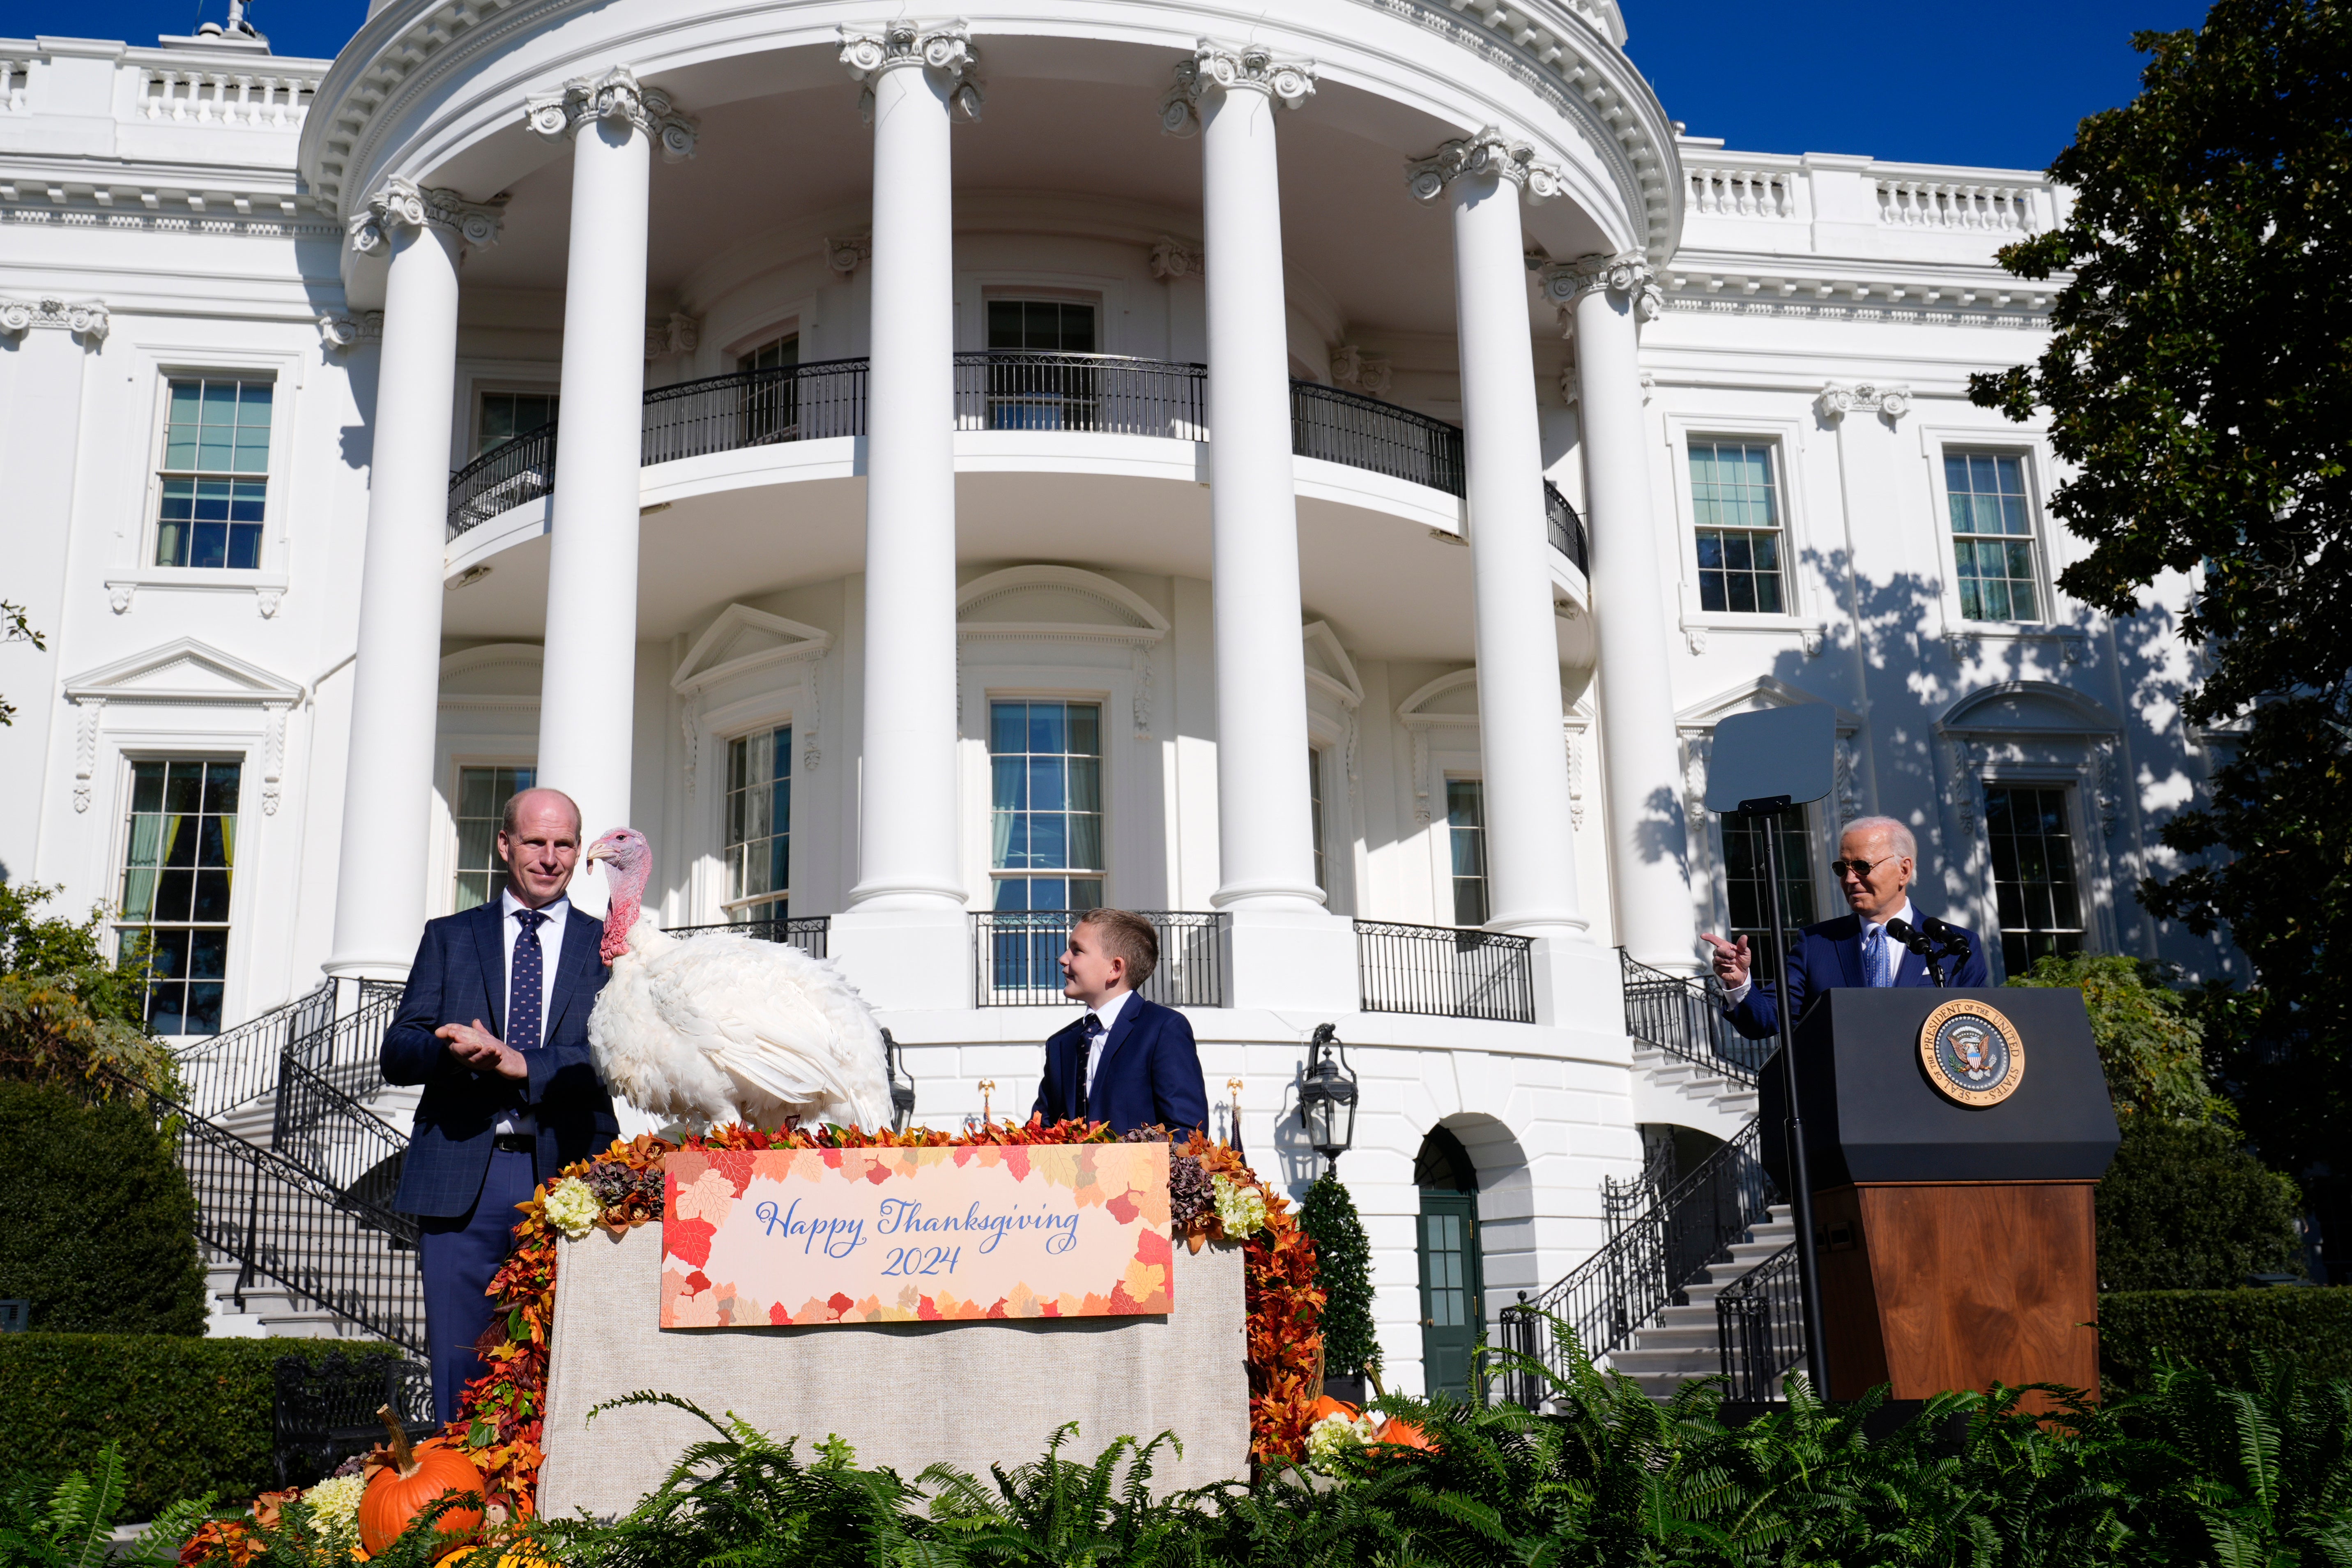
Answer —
680 334
1487 152
342 332
946 48
86 317
616 95
1836 402
1288 83
1350 366
1173 259
845 256
1627 273
403 203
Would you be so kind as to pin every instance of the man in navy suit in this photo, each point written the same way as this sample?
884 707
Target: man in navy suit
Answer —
494 1024
1876 857
1126 1061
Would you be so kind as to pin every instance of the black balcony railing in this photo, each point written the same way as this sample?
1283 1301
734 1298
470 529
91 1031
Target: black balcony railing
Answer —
1680 1016
1759 1321
1447 972
995 390
1342 426
1016 954
806 932
1104 395
1567 529
1649 1257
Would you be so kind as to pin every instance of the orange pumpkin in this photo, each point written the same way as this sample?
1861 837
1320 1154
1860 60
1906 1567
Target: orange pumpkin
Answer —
1327 1405
1402 1434
410 1483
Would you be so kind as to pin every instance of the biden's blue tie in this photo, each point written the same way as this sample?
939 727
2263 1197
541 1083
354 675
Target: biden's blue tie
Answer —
1873 957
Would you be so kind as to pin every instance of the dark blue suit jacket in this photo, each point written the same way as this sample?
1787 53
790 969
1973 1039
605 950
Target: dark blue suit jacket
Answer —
460 975
1149 1075
1828 955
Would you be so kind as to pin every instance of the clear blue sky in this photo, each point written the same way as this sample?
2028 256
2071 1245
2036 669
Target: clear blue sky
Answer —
1996 82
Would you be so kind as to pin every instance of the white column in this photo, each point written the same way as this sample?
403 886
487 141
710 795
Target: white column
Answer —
1649 854
588 684
396 675
917 82
1264 840
1531 850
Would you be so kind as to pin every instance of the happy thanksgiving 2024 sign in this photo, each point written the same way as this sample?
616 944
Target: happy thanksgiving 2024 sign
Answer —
774 1237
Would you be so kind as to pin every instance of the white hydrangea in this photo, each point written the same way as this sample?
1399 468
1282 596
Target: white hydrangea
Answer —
1336 1435
572 1208
335 1508
1241 1207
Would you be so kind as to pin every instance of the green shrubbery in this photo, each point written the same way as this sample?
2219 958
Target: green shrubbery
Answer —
2223 1331
1343 1269
2185 1207
192 1415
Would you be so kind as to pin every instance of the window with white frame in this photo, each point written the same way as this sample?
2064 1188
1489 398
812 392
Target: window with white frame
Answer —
214 486
482 796
760 826
1465 837
1747 887
1025 390
2034 890
179 857
1315 818
507 414
1736 508
1045 821
1993 535
771 405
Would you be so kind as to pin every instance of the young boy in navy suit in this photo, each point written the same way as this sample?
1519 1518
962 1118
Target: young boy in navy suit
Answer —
1126 1061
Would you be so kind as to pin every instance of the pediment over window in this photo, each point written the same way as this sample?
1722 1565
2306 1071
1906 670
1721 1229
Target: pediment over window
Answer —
2028 707
1328 667
1059 602
1448 699
185 670
507 670
1753 697
743 639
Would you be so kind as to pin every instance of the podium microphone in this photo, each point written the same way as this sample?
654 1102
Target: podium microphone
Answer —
1921 943
1950 938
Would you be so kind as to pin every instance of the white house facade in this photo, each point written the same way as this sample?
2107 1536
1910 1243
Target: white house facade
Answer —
1319 474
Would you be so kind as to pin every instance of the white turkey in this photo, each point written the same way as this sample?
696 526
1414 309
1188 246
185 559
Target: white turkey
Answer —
719 1029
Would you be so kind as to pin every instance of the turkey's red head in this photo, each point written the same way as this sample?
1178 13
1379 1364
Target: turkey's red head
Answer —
628 864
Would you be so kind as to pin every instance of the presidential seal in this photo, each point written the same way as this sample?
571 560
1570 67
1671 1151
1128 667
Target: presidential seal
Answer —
1973 1053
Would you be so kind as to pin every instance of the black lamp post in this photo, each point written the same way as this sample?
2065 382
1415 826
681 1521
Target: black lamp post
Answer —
902 1088
1326 1098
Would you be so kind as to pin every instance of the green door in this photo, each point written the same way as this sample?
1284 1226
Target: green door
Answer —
1453 1289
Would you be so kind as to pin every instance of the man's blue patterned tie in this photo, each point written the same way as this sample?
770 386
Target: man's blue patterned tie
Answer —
1085 1054
1873 958
524 1023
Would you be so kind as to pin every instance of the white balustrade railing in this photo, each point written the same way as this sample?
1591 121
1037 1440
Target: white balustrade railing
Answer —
248 99
1940 205
1742 192
15 76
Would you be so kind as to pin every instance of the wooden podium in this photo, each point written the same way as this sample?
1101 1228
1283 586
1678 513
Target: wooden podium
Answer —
1954 1139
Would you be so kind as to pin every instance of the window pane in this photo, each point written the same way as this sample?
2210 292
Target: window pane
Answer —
1736 507
759 824
1986 495
1045 785
2035 894
482 796
214 428
182 820
1466 835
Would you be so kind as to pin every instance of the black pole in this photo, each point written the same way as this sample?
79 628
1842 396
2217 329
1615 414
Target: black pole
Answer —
1809 1279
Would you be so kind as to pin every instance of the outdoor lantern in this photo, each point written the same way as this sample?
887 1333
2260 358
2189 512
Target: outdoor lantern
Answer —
1326 1098
902 1088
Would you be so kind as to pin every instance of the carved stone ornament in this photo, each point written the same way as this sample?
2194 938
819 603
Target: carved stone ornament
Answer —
1627 273
86 317
1172 259
1836 402
680 334
342 332
1350 366
947 49
403 203
1213 66
1487 152
845 256
615 95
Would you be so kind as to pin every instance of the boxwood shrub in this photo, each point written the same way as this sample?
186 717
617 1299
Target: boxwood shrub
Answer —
192 1415
2221 1331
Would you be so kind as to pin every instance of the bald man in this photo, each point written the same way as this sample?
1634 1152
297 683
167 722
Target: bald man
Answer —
494 1024
1877 860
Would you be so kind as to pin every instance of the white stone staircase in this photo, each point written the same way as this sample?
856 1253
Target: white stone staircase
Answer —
1681 1343
1674 1089
264 1309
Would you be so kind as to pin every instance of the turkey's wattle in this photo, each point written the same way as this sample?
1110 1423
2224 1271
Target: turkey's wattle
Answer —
721 1028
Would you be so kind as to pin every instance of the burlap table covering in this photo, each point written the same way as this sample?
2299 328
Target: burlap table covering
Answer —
903 1395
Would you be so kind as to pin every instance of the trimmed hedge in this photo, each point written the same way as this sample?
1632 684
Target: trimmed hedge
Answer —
192 1415
2221 1331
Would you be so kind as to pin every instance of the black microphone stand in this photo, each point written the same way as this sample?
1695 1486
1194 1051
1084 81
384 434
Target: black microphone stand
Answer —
1765 812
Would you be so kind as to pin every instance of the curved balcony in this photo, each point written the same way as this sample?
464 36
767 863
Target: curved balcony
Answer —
995 390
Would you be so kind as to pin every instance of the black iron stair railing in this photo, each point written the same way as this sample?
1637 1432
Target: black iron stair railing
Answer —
1759 1324
1678 1014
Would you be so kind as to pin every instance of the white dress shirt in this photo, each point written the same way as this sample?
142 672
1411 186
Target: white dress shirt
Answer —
550 948
1732 998
1108 1013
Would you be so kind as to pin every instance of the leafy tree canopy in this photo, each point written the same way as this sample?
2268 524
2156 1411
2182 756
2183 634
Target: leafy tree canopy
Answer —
2150 1044
65 1011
